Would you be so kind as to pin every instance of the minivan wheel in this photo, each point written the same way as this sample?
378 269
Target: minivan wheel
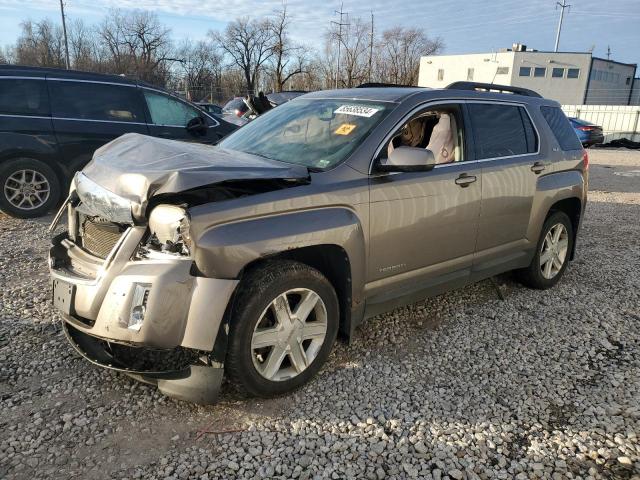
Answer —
552 253
282 329
29 188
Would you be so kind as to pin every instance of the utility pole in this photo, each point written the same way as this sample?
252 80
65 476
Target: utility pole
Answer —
562 6
371 47
340 25
64 30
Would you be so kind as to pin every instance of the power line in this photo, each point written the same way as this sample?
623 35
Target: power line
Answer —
340 25
562 6
64 30
371 47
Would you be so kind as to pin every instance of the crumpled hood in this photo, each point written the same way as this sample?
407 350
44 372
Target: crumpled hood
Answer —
136 167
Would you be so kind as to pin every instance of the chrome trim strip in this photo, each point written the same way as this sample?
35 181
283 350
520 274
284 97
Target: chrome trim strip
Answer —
20 77
430 103
98 121
77 80
25 116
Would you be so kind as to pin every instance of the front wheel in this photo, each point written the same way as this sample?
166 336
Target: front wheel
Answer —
552 253
283 327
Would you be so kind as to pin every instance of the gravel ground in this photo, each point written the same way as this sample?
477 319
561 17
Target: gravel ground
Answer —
541 385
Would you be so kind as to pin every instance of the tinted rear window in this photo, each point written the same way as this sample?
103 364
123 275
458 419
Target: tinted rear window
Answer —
501 130
23 97
561 128
96 101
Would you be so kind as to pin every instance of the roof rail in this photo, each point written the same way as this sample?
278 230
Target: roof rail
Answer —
382 85
492 87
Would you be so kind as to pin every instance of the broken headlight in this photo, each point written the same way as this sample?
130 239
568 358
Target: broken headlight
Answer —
169 230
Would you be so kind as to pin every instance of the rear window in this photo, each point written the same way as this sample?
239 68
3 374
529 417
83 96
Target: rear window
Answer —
561 128
23 97
501 130
96 101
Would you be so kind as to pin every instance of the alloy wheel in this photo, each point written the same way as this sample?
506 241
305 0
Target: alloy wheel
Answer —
553 252
289 334
27 189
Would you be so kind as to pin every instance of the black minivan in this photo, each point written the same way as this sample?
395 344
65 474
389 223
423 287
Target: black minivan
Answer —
51 122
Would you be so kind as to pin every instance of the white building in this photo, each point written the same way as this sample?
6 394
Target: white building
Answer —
571 78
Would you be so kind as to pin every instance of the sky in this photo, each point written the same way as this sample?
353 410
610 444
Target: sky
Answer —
471 26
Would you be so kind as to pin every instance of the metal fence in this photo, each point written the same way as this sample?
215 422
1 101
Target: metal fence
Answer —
617 121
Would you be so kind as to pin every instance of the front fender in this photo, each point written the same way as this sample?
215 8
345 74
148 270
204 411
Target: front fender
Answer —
224 250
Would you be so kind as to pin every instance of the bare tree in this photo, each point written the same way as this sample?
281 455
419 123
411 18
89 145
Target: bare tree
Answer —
202 65
138 43
399 52
249 45
354 57
40 44
288 59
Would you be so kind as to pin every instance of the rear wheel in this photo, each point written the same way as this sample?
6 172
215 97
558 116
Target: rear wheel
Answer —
552 253
29 188
283 328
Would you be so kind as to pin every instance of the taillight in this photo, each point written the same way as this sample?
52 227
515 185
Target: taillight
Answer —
586 129
585 159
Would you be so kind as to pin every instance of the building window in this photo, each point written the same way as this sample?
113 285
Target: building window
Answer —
525 71
502 71
557 73
440 74
628 82
469 73
573 73
539 72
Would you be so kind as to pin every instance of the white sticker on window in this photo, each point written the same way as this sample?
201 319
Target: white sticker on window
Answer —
357 110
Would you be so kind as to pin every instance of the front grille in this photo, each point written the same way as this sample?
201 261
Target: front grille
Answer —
99 236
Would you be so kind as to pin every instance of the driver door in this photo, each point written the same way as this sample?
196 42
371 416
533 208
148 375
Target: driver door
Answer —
169 116
423 225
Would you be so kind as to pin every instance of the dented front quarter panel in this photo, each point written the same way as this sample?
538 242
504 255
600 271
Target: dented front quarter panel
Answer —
333 209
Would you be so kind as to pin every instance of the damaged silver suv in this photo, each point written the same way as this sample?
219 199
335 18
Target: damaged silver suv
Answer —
182 262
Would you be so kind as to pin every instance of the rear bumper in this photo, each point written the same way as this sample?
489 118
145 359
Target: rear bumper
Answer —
180 309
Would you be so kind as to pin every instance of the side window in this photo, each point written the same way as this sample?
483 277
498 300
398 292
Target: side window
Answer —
168 111
438 129
23 97
96 101
561 128
501 130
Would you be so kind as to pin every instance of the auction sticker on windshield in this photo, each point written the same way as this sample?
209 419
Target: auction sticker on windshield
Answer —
345 129
357 110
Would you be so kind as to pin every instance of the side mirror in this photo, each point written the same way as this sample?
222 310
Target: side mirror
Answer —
197 125
408 159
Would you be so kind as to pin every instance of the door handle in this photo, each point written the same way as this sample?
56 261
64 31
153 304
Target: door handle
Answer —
465 180
538 167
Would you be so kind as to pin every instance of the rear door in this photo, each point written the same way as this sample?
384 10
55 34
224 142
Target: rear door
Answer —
507 146
88 114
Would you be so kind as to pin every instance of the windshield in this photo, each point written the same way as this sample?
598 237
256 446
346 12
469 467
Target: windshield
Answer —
315 133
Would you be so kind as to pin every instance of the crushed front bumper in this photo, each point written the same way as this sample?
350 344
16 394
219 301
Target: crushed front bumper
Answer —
96 298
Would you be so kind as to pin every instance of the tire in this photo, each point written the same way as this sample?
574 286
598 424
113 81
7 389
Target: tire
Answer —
249 367
37 177
538 275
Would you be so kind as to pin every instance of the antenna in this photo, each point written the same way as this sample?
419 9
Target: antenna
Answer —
608 52
562 6
64 30
340 25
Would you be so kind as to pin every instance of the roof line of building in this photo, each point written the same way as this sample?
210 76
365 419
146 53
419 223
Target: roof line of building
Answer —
614 61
